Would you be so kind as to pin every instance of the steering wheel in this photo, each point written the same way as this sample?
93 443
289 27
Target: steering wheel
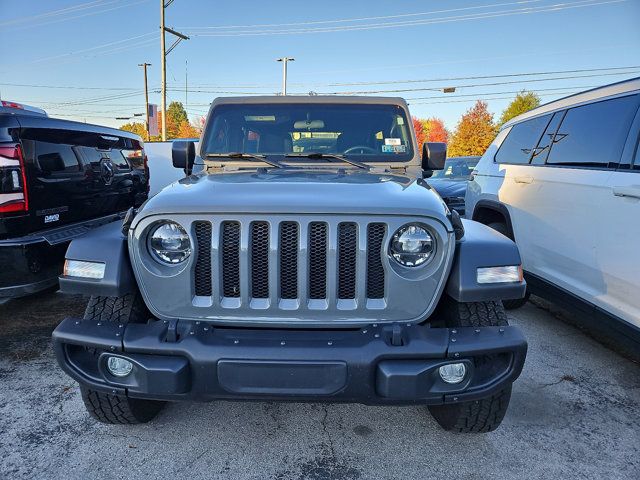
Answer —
360 149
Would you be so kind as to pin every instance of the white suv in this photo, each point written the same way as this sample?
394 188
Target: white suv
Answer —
563 181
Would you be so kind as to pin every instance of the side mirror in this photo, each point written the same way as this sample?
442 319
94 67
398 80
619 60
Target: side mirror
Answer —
183 154
434 155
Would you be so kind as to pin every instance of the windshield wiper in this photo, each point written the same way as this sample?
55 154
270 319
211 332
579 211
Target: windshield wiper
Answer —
329 156
234 155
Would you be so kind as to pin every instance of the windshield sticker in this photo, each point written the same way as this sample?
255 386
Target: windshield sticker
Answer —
394 148
259 118
392 141
400 121
379 136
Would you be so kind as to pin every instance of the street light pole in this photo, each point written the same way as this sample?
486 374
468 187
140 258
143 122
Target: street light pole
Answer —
146 95
284 61
164 52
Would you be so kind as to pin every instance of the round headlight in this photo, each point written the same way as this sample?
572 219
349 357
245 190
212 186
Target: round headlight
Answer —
169 243
411 245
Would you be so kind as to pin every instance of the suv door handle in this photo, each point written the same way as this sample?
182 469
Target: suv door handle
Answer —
633 192
523 179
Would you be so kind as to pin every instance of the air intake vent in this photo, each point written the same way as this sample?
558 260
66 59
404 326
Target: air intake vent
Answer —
375 271
317 260
260 260
203 278
347 253
231 259
289 260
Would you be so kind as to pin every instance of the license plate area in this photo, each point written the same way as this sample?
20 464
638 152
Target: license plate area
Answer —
268 377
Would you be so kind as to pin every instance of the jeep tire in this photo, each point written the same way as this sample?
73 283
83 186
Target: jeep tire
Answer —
106 407
477 416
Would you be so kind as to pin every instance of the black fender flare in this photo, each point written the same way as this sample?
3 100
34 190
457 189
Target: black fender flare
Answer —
480 247
106 244
496 207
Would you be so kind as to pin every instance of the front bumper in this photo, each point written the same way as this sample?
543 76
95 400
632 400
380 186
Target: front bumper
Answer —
376 365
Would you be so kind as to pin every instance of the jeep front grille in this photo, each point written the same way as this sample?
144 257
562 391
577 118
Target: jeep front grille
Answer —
310 269
309 257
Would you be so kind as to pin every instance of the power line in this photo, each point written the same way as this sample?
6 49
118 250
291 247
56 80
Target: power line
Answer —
36 23
512 82
358 19
53 13
450 19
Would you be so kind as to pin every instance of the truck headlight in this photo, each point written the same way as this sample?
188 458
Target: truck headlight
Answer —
169 243
411 245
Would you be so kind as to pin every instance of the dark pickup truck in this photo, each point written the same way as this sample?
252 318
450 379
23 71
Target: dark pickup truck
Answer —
58 180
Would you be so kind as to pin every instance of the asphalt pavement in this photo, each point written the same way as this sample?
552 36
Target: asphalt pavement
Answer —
574 413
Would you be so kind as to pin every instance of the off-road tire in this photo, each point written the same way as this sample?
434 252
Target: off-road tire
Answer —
478 416
118 409
518 302
106 407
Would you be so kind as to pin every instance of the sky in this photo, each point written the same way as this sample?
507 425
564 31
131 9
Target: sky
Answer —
78 59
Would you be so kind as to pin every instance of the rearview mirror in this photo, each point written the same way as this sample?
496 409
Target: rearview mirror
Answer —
434 154
183 154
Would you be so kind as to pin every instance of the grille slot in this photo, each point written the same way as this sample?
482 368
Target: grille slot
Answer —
289 260
375 271
347 253
259 260
203 277
317 260
231 259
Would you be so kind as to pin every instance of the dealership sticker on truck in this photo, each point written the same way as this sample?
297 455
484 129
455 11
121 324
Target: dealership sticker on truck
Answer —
52 218
394 148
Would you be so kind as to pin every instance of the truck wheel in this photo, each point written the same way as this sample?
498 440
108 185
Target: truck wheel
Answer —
517 303
105 407
476 416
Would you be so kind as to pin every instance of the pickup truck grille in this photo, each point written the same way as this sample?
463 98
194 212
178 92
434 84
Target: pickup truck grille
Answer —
312 253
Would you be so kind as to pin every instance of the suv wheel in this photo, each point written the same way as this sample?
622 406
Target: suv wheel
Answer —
106 407
483 415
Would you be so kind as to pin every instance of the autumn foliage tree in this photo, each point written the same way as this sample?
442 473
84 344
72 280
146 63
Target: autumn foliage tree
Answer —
430 130
523 102
474 133
178 125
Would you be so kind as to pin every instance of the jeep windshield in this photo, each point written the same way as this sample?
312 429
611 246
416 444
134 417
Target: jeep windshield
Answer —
310 132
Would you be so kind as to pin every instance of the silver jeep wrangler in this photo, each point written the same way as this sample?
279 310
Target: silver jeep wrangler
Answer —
303 257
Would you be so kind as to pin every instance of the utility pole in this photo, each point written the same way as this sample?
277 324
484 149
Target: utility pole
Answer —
284 61
164 52
146 95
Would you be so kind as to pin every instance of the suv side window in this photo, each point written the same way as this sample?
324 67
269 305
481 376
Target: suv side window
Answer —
593 135
56 158
519 145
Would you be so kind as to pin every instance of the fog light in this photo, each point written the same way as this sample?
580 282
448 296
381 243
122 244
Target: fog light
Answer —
119 367
453 372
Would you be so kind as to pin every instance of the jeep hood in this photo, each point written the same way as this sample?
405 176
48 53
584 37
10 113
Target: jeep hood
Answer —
299 191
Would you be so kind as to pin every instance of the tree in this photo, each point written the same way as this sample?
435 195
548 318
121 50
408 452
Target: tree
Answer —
523 102
187 130
435 130
474 133
137 128
418 126
176 116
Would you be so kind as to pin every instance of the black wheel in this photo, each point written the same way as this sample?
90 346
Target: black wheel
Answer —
483 415
105 407
519 302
